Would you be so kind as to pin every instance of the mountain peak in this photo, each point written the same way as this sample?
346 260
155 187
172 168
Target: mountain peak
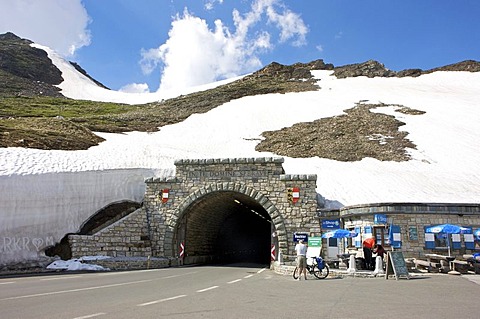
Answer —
26 70
9 36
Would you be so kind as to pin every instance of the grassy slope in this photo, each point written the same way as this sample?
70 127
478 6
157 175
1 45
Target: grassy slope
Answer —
65 124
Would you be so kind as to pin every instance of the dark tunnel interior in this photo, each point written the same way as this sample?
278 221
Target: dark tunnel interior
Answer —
226 227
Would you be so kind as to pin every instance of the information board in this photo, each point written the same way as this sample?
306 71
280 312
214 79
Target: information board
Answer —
315 242
396 265
412 233
298 236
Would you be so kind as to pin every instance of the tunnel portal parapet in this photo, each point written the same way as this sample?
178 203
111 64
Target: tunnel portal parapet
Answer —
260 183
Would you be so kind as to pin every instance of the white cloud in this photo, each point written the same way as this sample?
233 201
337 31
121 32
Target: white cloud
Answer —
194 54
289 23
58 24
319 48
135 88
209 4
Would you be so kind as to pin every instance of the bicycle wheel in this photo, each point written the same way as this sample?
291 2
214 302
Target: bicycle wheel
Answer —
321 273
295 273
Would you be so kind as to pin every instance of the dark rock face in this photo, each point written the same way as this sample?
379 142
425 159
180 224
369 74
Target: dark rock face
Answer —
466 66
373 68
369 69
410 72
25 70
297 71
18 58
81 70
357 134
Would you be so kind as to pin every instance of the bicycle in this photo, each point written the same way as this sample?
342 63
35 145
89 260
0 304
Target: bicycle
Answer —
318 268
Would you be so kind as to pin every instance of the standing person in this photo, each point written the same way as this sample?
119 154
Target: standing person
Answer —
367 253
301 250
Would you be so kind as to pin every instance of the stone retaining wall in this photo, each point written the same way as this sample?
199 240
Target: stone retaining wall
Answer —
134 263
127 237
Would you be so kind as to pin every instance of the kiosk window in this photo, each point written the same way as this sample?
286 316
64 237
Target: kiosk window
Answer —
381 236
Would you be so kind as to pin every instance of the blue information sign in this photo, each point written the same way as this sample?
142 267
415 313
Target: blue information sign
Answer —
380 219
298 236
331 223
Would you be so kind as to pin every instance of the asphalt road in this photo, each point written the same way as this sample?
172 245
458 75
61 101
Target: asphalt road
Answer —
235 291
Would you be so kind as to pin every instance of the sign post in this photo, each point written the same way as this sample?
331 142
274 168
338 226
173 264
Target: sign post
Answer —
182 252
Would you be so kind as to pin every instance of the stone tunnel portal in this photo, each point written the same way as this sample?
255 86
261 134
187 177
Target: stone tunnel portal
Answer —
225 226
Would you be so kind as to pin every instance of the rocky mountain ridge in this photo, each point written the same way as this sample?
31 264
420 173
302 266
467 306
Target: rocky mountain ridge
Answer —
34 114
27 71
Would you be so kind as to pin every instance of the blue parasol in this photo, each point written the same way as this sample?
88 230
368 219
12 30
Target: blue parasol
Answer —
446 229
340 233
476 233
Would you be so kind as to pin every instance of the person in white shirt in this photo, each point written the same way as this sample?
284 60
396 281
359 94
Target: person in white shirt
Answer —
301 250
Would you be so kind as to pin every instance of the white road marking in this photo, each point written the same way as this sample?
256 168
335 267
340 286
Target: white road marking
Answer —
160 300
126 272
261 270
206 289
234 281
248 276
137 271
91 316
76 290
60 277
6 283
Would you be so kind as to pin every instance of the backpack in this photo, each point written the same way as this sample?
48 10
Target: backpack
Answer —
320 263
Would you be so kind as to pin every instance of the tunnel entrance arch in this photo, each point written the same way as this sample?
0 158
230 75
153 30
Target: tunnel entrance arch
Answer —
226 226
229 209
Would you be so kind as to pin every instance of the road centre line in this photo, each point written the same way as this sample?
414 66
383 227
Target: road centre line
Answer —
7 283
248 276
261 270
160 300
79 289
126 272
91 316
206 289
234 281
59 277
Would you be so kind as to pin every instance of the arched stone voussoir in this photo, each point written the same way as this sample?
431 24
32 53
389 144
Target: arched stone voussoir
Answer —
240 188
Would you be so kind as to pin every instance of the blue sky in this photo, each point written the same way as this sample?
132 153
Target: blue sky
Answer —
143 44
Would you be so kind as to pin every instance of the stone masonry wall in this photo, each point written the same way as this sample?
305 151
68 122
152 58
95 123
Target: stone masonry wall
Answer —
416 216
262 179
127 237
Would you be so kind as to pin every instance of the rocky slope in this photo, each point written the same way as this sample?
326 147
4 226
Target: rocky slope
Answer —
27 119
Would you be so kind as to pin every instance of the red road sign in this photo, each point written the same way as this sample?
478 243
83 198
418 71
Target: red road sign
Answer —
165 195
295 194
182 249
